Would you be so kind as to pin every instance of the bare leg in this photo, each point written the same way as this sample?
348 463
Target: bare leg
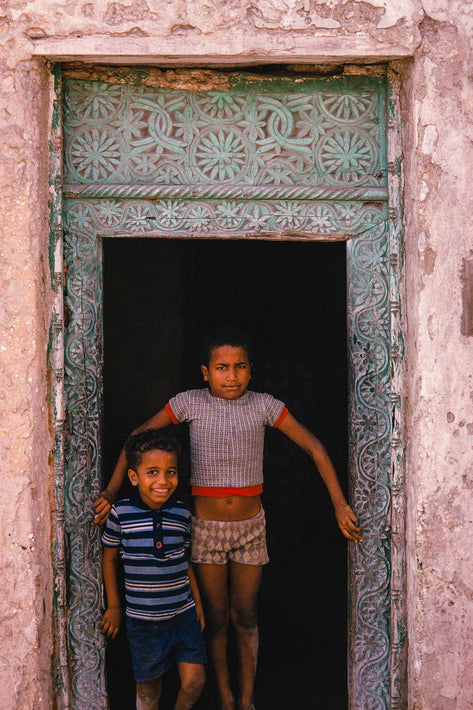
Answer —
148 694
192 677
213 584
245 582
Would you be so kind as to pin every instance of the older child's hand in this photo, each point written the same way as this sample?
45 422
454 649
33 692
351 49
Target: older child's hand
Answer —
110 623
200 615
348 522
102 506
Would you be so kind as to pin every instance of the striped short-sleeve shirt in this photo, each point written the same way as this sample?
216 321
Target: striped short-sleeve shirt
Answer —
153 544
226 435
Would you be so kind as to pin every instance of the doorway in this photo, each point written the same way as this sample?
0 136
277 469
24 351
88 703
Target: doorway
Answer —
160 296
313 159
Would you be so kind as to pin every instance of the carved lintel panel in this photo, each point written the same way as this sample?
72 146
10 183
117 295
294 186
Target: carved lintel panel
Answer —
320 133
213 218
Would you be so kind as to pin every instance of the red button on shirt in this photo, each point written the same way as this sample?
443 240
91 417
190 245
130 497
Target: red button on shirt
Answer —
159 544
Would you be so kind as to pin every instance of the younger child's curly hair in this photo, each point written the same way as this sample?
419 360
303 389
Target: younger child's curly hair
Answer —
148 440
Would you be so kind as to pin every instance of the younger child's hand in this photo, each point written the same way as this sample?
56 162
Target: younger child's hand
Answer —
200 615
110 623
348 522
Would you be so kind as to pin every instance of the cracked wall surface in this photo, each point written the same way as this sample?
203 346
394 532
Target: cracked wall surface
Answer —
439 382
431 39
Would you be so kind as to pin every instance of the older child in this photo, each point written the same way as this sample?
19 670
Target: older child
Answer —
227 424
164 615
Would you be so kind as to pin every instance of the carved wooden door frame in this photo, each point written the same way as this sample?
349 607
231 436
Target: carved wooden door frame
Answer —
103 189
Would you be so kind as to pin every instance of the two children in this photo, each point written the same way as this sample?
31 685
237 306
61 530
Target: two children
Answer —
164 617
228 548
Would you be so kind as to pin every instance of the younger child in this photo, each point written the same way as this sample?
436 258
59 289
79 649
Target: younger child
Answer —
227 424
164 617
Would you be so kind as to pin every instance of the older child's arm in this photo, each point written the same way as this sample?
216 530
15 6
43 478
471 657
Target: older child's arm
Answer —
103 504
196 594
111 619
346 518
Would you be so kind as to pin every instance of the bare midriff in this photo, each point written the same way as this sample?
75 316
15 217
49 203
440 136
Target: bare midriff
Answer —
227 507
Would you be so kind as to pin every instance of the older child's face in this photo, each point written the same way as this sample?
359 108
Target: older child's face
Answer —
156 477
229 372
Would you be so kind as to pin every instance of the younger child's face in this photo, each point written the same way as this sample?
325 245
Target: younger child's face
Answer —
156 477
228 372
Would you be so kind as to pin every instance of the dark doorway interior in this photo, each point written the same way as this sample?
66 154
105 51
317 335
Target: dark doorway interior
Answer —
159 297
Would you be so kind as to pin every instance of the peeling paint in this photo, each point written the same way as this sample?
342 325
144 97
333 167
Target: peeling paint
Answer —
429 258
191 80
467 297
430 139
206 80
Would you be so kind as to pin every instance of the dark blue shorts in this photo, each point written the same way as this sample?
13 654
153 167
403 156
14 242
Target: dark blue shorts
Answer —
156 645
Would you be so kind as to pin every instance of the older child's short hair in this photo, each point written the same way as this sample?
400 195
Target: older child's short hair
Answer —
224 335
148 440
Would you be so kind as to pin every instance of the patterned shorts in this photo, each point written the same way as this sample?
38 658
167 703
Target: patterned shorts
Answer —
214 542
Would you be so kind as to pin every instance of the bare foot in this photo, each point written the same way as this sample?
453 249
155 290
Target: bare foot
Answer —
227 704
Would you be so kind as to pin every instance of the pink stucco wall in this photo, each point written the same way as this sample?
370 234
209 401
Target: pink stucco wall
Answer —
434 39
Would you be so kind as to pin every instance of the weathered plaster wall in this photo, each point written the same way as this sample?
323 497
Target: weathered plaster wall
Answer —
438 152
440 381
25 576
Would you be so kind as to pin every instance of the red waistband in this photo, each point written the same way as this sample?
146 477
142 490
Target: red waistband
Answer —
214 492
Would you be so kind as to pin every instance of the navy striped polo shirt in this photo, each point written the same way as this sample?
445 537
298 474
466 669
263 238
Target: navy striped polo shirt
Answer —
153 544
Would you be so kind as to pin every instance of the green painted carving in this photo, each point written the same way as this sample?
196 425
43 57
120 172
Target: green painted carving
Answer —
55 360
216 218
83 371
370 439
303 159
311 136
398 553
